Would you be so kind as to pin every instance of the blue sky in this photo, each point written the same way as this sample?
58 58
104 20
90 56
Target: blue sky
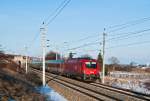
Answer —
21 20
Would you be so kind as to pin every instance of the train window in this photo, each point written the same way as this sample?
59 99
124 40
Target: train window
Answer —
90 64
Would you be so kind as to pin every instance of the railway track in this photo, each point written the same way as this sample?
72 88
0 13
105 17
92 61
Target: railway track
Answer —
95 90
123 91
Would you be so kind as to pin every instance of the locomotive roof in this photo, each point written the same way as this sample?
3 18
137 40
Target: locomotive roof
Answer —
81 58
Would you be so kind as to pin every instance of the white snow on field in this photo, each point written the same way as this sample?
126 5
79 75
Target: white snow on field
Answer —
119 74
51 94
131 86
131 81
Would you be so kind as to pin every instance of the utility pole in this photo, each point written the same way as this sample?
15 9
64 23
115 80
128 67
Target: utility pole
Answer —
26 59
103 73
43 38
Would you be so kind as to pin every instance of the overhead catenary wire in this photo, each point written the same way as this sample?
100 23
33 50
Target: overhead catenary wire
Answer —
54 12
85 38
58 12
128 34
118 27
128 37
123 37
138 21
34 39
53 15
84 45
125 45
129 44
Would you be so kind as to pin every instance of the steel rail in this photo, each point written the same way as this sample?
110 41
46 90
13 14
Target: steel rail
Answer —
81 89
109 92
124 91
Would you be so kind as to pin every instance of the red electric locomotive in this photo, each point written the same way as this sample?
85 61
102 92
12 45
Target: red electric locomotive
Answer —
82 67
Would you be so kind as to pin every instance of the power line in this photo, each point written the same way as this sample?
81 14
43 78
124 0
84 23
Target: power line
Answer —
131 22
131 36
84 45
32 42
122 26
128 24
83 39
63 3
130 44
128 34
118 34
93 50
51 14
34 39
58 11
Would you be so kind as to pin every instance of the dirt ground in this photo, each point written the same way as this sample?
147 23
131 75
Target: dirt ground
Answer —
16 85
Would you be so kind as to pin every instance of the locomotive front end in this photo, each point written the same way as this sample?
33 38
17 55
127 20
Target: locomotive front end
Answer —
90 70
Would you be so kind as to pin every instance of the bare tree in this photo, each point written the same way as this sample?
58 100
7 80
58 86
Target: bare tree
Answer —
113 61
132 64
100 60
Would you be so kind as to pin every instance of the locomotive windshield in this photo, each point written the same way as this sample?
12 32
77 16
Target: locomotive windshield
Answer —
90 64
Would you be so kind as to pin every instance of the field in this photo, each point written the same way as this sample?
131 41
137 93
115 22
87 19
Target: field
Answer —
139 82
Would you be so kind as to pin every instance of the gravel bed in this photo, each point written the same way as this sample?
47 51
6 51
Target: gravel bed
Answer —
68 93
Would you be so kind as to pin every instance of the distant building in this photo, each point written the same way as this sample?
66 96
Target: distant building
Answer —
20 59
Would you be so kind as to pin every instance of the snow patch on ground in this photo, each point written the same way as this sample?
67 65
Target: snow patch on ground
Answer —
50 93
128 80
131 86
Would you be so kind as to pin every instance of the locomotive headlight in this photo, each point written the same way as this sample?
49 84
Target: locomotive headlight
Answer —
93 62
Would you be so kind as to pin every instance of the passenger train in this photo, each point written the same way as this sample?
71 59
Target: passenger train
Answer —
83 68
